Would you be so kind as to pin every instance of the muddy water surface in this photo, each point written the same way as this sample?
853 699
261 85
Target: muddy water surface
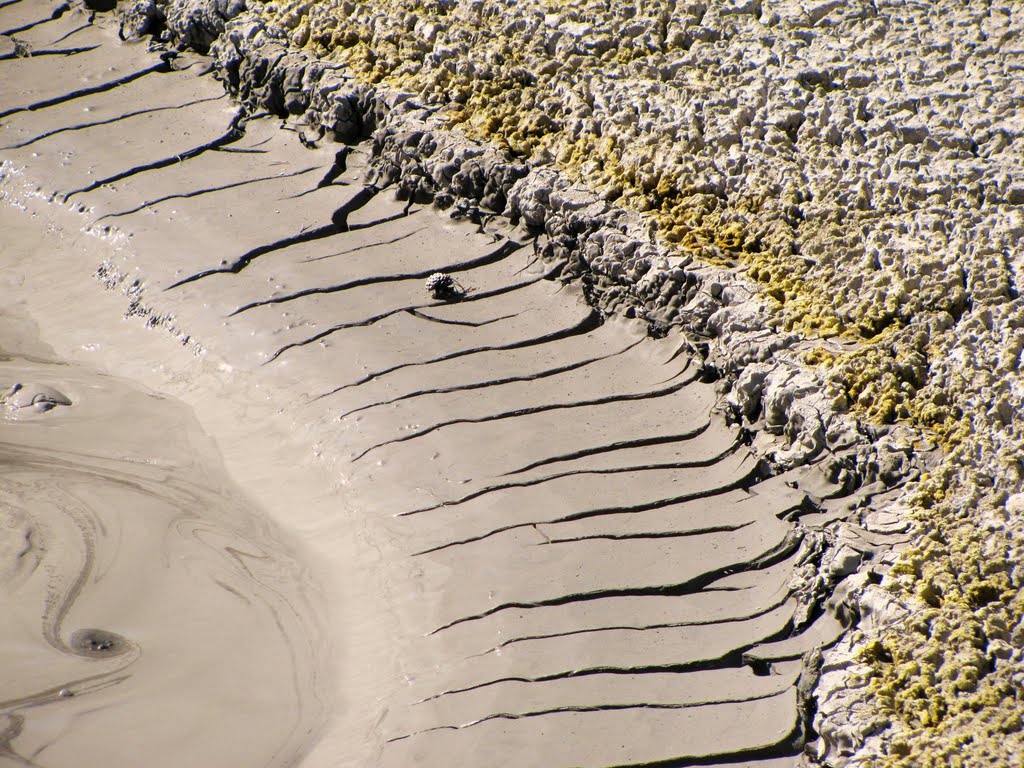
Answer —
150 615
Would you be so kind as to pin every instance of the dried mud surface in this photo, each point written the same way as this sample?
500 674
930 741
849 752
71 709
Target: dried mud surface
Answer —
822 227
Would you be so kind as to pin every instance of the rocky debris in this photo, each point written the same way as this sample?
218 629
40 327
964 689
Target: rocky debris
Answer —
113 279
444 287
833 223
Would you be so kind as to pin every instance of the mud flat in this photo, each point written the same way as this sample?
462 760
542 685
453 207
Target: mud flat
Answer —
541 532
142 590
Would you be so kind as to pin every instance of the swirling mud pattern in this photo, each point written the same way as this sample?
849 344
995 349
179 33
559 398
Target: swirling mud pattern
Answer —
150 617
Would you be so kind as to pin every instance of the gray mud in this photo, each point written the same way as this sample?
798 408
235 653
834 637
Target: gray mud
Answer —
152 615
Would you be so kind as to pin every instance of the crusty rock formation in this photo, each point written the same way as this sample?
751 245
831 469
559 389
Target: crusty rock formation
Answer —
194 24
826 196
